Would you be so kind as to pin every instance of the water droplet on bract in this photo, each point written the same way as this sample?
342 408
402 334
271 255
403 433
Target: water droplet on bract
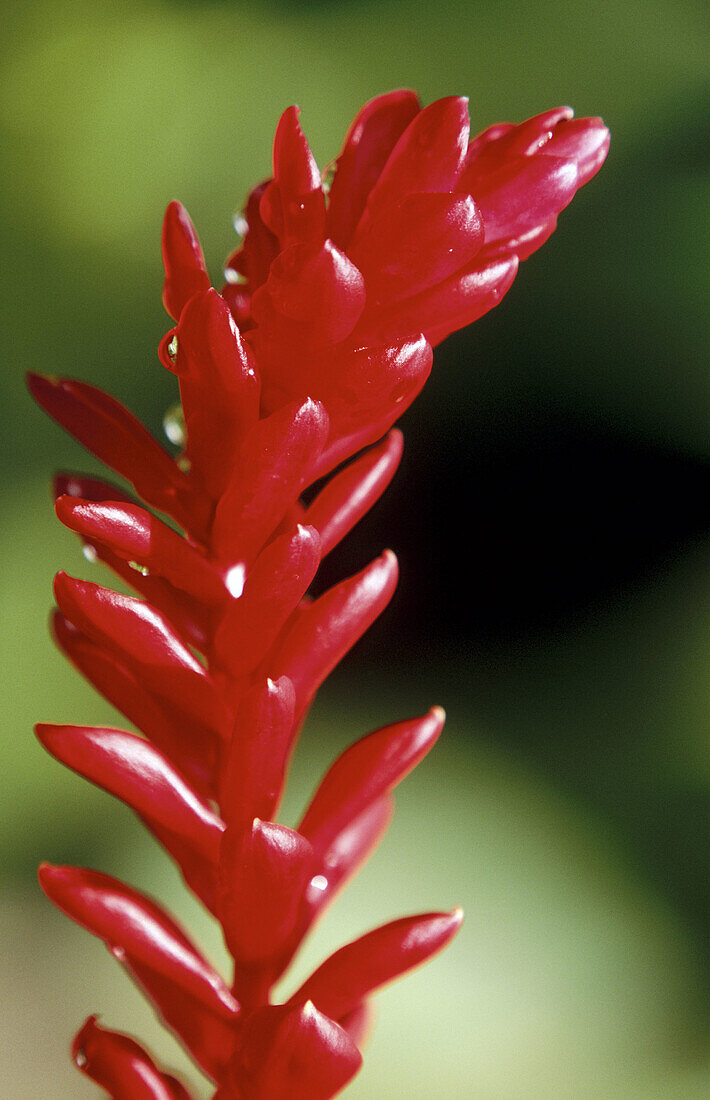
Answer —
118 953
138 568
89 552
319 882
173 347
183 463
174 425
234 579
241 225
80 1058
399 392
233 277
328 175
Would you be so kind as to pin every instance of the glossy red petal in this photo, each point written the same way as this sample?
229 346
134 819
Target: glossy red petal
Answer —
276 461
260 246
369 142
370 383
584 140
132 924
189 745
428 156
414 244
524 193
452 304
359 1023
351 493
273 589
252 780
293 204
185 271
141 776
505 142
367 770
118 1064
294 1053
88 488
143 638
314 292
263 871
361 967
207 1036
323 634
219 387
347 853
137 536
114 435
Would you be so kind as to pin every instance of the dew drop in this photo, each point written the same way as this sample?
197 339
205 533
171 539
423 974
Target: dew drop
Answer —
173 347
80 1058
319 882
138 568
241 225
328 175
399 392
118 953
174 425
183 463
89 552
234 579
233 277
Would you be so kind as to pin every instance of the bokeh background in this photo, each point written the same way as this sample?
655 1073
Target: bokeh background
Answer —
550 516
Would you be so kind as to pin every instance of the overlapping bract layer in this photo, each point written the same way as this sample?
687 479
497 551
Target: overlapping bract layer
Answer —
320 338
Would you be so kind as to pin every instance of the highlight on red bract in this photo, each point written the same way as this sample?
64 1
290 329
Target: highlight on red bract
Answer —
292 373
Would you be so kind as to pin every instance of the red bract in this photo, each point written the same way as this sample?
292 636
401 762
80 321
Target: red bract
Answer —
318 341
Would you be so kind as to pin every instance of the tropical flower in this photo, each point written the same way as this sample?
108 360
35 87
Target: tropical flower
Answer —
321 336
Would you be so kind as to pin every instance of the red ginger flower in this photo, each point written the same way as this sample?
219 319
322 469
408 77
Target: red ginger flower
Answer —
320 338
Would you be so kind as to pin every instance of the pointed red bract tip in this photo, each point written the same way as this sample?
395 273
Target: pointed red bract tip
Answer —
185 271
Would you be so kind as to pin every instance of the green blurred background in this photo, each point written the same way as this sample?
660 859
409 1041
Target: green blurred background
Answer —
568 808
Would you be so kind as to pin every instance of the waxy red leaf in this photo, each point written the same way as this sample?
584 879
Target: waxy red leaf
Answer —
524 193
276 461
114 435
259 248
273 589
253 777
457 301
88 488
367 770
144 640
351 493
414 244
134 927
185 271
294 1053
428 156
134 771
219 388
137 536
293 204
314 294
207 1036
368 385
322 635
263 871
346 853
121 1066
358 969
369 142
188 744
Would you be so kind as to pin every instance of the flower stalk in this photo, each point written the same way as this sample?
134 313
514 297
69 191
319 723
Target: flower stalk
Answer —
290 376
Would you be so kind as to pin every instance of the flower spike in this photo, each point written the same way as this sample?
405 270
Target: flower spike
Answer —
319 339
